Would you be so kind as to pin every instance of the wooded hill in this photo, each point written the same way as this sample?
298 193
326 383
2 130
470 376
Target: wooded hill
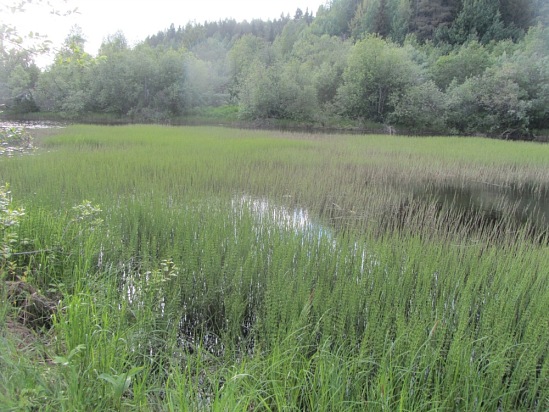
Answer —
437 66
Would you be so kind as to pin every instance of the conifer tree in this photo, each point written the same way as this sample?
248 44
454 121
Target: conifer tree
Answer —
430 15
478 20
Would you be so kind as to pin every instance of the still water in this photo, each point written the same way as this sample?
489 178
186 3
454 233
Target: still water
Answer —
518 206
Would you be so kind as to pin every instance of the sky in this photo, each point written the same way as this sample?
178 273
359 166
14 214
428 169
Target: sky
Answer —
139 18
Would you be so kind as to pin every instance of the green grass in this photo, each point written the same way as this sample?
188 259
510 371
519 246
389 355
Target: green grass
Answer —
184 298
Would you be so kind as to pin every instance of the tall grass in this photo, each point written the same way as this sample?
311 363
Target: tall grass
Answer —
185 298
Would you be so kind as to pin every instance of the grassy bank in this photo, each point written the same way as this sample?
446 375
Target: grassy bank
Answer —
222 269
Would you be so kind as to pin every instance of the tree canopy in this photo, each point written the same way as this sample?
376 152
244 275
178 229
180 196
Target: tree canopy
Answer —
447 66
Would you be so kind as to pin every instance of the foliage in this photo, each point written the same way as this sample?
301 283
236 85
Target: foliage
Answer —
12 40
120 383
350 64
432 16
493 104
478 20
16 137
9 221
15 140
376 70
470 60
247 52
333 18
422 107
278 92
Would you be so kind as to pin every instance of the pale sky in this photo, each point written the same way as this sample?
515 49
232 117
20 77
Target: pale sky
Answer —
139 18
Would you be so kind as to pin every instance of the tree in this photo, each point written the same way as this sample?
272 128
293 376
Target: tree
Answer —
432 15
511 97
478 20
18 77
208 68
400 24
334 18
10 36
18 73
422 107
470 60
541 12
205 83
72 50
492 103
324 59
20 84
376 70
114 44
284 43
113 87
245 53
372 17
168 84
63 88
518 13
279 92
528 66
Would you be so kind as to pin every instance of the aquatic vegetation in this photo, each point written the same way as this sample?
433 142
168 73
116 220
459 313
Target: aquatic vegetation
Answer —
246 270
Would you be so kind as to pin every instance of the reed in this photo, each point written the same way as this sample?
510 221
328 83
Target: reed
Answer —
221 269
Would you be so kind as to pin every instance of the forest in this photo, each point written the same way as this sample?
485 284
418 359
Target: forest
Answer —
459 67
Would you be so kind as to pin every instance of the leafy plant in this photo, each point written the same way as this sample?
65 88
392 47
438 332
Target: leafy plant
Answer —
120 383
9 221
67 360
15 139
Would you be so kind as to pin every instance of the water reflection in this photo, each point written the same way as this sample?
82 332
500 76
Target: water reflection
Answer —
267 213
514 205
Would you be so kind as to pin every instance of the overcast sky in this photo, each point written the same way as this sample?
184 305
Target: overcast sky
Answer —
139 18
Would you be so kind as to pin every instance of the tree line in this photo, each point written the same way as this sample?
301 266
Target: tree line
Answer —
436 66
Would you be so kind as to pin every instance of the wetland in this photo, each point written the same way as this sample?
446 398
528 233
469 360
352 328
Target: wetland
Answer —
207 268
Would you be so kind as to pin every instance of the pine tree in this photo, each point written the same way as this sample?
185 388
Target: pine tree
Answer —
478 20
429 15
372 17
400 25
382 20
541 12
517 13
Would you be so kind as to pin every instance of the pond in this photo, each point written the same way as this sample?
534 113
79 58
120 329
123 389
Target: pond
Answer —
520 205
507 206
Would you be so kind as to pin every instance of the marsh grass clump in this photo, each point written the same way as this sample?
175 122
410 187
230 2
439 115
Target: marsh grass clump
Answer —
245 270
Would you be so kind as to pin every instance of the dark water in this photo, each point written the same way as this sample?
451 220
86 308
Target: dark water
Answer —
507 206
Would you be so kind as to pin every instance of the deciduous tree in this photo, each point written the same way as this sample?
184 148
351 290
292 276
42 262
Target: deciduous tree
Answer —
376 69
